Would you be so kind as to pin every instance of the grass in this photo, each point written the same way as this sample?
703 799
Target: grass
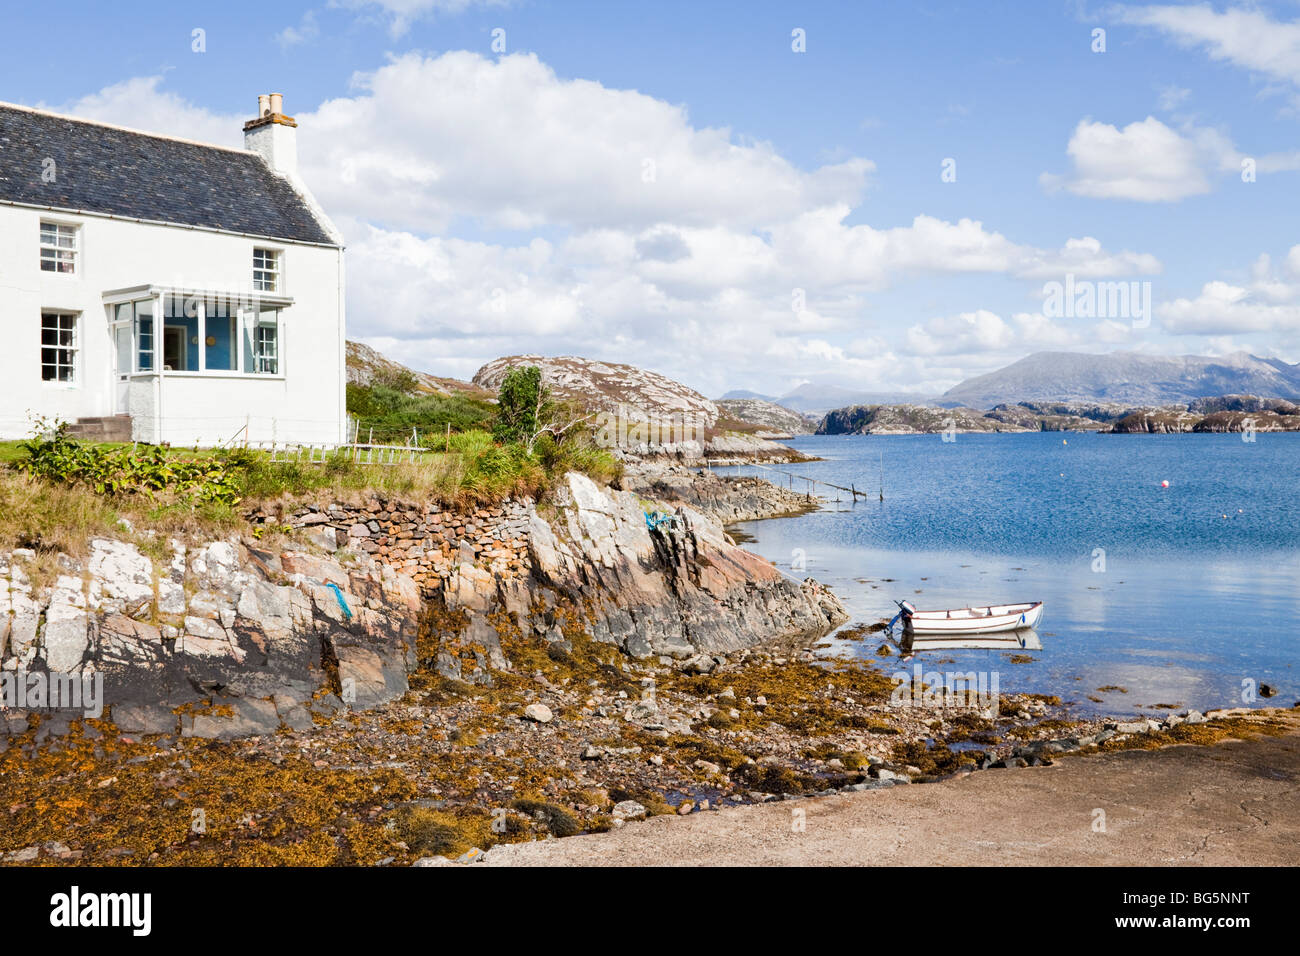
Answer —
392 413
50 516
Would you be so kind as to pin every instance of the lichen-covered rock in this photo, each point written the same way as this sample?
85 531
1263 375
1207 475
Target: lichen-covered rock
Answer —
677 590
255 629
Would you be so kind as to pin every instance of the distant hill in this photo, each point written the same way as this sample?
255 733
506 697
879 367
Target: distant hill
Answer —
816 399
366 366
1131 378
743 393
773 420
607 387
674 414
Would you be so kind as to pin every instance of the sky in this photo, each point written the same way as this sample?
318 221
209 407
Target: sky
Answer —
750 195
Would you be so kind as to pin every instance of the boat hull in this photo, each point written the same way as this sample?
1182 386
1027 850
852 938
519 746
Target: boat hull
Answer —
996 619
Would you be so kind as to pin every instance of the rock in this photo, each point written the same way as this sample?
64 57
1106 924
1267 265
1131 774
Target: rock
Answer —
538 713
120 574
707 767
1267 690
892 776
628 810
685 808
432 861
65 638
232 718
1194 717
1132 727
592 753
143 719
699 664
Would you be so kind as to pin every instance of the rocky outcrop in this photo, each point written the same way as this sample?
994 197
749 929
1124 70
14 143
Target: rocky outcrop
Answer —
641 415
366 367
677 590
726 498
218 640
1156 421
773 421
1256 421
1243 403
637 394
226 639
910 420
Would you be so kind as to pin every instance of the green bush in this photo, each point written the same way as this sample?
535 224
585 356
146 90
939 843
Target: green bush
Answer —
55 457
520 404
391 414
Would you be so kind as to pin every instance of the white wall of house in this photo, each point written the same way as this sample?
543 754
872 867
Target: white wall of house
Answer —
304 402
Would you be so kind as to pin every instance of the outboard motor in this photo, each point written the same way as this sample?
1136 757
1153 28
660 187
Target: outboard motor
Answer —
905 611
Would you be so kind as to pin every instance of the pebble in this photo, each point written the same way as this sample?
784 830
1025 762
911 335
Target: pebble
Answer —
539 713
628 810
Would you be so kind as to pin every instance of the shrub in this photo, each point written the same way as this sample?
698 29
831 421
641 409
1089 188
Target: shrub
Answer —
54 457
520 404
559 821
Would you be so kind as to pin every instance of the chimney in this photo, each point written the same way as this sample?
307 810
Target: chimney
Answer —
272 135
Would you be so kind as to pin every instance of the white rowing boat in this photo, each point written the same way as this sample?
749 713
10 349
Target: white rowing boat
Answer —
993 619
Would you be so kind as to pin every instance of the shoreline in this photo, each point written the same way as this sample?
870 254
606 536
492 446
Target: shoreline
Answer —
570 737
1126 808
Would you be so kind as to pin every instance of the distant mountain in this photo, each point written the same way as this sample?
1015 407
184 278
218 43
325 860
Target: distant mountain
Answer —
1129 378
744 393
812 398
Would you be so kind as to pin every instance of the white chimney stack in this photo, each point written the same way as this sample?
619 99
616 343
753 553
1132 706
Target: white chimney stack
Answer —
273 136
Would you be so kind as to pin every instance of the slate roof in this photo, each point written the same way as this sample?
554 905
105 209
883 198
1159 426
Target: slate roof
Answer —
119 172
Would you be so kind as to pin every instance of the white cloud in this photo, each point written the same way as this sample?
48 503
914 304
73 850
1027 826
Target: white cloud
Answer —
400 14
1266 303
308 29
1148 161
426 139
692 274
1222 308
1145 161
1242 36
139 103
1172 97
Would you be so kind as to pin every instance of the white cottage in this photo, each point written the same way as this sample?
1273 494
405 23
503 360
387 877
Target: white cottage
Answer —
162 290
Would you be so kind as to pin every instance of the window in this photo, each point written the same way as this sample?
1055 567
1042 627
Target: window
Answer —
266 270
58 347
58 248
133 333
262 343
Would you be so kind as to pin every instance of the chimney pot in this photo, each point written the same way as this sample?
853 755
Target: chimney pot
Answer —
263 104
277 103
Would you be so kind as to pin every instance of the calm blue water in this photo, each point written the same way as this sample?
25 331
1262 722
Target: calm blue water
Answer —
1148 588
